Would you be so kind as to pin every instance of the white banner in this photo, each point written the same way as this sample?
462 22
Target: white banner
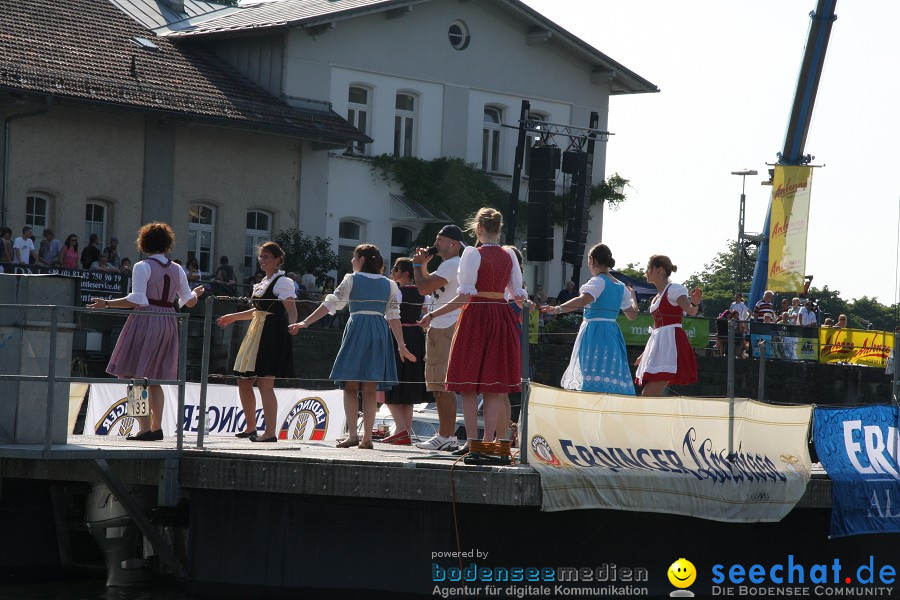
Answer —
667 455
302 414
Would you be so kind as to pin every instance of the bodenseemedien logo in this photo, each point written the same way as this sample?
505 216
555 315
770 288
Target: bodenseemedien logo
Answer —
682 575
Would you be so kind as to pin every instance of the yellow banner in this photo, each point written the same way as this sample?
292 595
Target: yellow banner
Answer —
854 346
788 228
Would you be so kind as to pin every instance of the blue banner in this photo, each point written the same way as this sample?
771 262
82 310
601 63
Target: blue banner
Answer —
859 449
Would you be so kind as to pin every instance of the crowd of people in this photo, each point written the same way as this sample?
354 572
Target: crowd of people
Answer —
51 252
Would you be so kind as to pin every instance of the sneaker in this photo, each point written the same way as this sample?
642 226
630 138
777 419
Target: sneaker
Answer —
439 442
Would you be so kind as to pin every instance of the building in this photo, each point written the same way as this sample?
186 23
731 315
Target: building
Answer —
424 78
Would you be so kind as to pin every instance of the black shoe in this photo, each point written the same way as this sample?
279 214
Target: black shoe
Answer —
245 434
461 451
255 438
147 436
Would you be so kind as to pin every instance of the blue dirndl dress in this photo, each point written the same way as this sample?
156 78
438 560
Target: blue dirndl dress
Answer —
599 361
367 348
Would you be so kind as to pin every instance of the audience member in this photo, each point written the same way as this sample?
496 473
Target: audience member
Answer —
739 305
567 294
112 252
23 248
841 321
193 271
829 322
91 252
229 270
540 296
764 307
6 245
308 281
103 264
68 257
794 312
126 267
50 249
807 316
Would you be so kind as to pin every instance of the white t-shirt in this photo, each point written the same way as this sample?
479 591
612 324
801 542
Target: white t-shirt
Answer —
743 310
807 317
449 270
308 281
23 248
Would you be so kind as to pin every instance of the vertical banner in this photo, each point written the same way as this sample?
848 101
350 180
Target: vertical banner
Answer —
788 228
859 449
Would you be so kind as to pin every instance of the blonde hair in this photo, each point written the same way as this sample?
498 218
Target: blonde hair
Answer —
490 220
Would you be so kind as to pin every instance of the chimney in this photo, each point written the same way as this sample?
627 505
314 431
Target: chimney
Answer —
176 5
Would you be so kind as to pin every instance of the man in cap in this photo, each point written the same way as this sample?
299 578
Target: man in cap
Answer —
441 285
808 315
50 248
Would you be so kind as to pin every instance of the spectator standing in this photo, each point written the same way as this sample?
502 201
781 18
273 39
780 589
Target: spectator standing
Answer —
740 306
112 252
366 357
807 315
126 267
148 346
566 294
23 248
193 271
6 245
50 249
229 270
765 307
298 289
441 285
221 286
91 252
794 312
841 322
68 257
103 264
540 296
308 281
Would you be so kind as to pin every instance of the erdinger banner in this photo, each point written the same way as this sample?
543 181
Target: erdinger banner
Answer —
854 346
859 449
305 415
667 455
788 228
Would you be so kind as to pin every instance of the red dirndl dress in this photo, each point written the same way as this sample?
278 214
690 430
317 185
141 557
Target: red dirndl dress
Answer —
486 354
668 355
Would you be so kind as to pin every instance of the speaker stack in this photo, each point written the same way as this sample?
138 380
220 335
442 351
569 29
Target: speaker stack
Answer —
579 165
544 162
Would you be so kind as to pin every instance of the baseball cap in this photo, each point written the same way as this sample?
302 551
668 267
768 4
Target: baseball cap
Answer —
114 239
453 232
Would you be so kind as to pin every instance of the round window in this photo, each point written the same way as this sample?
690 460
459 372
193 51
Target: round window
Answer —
458 35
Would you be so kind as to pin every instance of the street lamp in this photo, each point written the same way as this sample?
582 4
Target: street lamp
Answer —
738 249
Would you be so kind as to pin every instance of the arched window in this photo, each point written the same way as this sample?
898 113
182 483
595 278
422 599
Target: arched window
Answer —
490 141
96 220
405 125
259 230
350 235
37 212
201 235
358 108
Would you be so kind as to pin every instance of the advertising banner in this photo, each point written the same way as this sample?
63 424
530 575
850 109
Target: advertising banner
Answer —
859 449
302 414
668 455
637 332
785 342
94 284
855 346
788 228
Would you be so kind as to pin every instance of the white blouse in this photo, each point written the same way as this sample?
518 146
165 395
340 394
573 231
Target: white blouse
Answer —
341 296
469 263
284 288
673 293
140 274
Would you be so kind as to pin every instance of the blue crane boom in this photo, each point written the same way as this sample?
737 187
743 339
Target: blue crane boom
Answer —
821 21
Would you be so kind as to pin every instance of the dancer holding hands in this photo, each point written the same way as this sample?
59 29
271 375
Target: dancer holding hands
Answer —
668 356
366 357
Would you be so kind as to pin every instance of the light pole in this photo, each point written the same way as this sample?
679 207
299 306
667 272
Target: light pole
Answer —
738 248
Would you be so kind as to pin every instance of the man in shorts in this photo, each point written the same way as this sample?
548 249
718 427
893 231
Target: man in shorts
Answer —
441 285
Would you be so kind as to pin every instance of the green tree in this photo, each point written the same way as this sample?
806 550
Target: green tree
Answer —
717 279
301 250
634 270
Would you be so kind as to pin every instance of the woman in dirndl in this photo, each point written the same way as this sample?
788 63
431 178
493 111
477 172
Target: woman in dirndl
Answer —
266 351
599 361
486 355
148 345
668 357
365 361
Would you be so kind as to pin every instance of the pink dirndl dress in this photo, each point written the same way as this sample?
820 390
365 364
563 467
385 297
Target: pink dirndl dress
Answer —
668 355
148 346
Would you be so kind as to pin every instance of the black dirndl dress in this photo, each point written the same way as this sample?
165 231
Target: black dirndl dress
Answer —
411 375
267 349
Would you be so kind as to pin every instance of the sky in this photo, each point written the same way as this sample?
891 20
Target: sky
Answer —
727 71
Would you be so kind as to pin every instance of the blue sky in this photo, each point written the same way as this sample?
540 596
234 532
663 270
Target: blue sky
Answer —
727 71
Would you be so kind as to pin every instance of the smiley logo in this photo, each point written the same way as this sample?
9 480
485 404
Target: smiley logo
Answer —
682 573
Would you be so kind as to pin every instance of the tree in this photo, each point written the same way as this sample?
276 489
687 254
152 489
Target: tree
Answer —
301 250
717 280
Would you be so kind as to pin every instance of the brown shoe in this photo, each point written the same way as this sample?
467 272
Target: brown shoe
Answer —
366 445
347 443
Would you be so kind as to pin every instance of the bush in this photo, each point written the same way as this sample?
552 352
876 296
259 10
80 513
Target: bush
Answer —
301 250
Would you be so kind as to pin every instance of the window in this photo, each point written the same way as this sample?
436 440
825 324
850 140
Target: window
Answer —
259 230
404 125
358 115
490 141
37 210
96 217
349 230
536 120
201 232
458 34
350 233
401 242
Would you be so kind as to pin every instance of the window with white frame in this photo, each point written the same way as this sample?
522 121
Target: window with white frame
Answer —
401 242
490 140
350 235
536 120
259 230
358 115
405 125
201 235
96 218
37 213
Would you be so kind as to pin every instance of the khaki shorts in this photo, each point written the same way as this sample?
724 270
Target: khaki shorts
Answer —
437 356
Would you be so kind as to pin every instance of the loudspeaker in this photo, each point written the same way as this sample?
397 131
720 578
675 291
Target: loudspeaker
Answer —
544 162
578 210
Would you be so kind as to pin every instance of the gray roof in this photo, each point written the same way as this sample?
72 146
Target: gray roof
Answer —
309 13
156 13
87 52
